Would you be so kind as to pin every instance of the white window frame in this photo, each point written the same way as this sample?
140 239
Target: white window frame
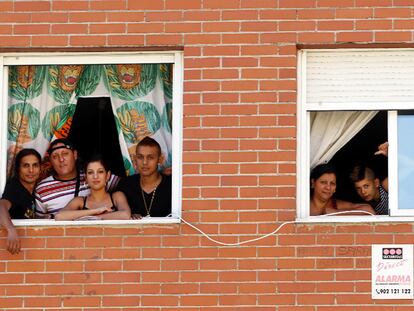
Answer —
303 141
115 57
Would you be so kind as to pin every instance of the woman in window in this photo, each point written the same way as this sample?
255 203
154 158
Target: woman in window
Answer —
323 187
99 204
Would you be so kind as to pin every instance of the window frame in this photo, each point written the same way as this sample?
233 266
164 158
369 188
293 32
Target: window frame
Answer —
174 57
303 143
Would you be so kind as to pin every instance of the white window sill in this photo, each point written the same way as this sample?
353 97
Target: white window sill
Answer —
52 222
353 219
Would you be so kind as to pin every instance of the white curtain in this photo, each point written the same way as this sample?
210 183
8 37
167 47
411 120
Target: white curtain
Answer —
331 130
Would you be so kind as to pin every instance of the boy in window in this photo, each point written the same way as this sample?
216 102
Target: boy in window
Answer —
149 192
17 201
369 187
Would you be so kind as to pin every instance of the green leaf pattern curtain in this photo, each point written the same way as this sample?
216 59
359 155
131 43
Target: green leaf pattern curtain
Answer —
42 101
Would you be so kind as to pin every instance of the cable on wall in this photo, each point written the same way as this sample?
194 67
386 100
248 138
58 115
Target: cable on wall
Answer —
268 234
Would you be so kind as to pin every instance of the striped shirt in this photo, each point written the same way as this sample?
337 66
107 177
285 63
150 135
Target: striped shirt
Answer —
52 194
381 206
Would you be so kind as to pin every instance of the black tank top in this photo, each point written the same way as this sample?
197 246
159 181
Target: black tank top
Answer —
113 207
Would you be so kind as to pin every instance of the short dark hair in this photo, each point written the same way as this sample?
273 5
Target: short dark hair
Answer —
361 172
23 153
67 144
148 141
97 157
321 169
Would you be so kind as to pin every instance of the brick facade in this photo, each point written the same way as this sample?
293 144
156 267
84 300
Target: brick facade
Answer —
239 162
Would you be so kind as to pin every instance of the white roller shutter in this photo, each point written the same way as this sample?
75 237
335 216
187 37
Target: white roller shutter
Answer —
356 77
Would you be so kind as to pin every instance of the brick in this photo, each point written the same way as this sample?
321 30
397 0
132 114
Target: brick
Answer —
374 25
238 300
392 36
164 39
44 278
316 37
278 37
297 25
42 302
201 15
22 290
240 38
368 3
14 17
221 27
124 16
318 14
323 299
163 16
241 85
80 301
50 17
392 13
354 36
121 301
335 25
216 4
259 50
14 41
108 5
221 50
258 26
32 6
125 40
183 27
280 299
153 300
145 28
87 40
106 28
354 13
50 40
63 290
240 15
11 302
182 4
70 5
146 5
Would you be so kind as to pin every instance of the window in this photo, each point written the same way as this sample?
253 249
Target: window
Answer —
105 66
350 101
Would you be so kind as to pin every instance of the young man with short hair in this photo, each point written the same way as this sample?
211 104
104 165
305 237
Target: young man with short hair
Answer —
370 189
148 192
54 192
17 201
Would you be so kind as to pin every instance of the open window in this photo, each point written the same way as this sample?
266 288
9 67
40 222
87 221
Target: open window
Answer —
103 102
350 102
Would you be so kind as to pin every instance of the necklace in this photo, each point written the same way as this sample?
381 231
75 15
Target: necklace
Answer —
148 208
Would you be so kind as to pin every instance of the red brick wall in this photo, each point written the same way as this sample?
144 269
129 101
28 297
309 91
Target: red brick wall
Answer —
238 171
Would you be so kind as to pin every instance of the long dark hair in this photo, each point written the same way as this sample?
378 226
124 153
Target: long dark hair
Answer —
21 154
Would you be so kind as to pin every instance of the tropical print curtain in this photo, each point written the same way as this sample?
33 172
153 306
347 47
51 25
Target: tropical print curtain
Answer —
42 102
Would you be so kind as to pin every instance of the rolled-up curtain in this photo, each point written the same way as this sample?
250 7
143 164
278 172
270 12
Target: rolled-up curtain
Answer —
331 130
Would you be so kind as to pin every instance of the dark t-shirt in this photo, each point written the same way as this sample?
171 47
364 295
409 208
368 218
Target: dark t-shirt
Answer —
22 201
161 205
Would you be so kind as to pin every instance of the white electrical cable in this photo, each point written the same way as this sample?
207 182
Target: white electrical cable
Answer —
268 234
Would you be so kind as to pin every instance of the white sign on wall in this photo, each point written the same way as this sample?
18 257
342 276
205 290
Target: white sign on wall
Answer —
392 271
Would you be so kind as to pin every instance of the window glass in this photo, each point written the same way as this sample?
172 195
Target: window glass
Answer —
405 159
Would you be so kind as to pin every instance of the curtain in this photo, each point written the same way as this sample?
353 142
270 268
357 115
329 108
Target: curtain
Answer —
141 97
42 101
331 130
